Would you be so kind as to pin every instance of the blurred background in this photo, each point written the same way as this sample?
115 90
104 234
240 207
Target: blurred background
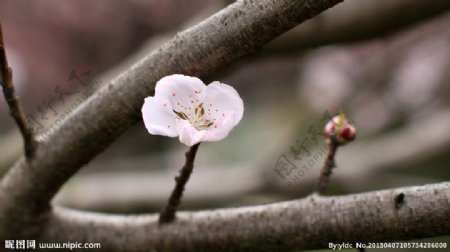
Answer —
385 63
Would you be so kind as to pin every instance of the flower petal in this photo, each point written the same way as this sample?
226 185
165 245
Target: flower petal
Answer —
159 118
220 129
188 134
184 92
221 100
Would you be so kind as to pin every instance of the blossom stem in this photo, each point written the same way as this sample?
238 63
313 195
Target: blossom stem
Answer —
168 213
30 142
327 168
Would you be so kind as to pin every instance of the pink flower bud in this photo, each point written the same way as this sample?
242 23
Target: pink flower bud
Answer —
339 130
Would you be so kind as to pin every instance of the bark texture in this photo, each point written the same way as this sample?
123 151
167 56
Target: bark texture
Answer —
309 223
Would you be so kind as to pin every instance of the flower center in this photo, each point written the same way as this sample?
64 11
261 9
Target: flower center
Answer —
197 118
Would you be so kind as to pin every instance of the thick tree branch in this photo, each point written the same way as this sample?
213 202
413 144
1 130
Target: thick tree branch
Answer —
307 223
11 147
239 29
11 98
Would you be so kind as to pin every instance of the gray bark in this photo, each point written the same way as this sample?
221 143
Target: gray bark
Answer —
309 223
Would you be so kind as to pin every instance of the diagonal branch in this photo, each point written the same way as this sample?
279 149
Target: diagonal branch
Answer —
309 223
241 28
15 109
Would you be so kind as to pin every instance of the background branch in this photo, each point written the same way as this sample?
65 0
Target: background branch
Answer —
307 223
357 20
239 29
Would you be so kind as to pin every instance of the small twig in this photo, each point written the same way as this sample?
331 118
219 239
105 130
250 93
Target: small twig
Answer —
15 109
326 171
168 213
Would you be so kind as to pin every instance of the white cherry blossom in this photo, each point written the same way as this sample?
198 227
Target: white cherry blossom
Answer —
184 106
